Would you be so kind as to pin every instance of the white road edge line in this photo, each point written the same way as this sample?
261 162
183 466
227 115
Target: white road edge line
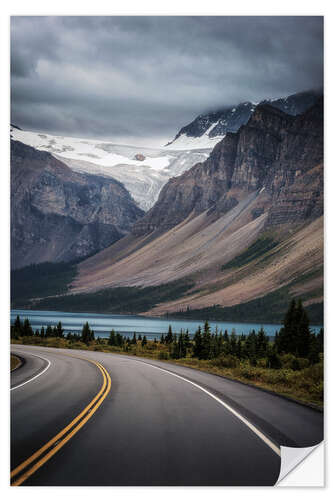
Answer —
254 429
36 376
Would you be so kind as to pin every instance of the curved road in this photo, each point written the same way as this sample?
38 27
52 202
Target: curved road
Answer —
158 423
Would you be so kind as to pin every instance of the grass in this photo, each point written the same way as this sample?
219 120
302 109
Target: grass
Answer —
14 362
305 385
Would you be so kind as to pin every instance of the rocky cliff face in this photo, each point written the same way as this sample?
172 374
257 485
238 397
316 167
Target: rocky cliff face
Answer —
220 122
274 152
61 215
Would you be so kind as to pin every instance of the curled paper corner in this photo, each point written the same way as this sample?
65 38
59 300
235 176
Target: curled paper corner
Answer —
291 458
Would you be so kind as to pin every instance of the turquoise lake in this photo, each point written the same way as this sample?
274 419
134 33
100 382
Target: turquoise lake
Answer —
128 324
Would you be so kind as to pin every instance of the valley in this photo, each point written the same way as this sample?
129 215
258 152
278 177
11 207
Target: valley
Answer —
243 224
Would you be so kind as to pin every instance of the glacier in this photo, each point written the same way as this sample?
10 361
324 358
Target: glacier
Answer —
144 179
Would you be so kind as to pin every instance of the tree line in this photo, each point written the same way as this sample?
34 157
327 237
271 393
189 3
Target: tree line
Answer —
294 338
24 329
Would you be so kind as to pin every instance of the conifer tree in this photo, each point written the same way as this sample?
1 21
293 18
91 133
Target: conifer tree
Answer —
262 343
87 335
197 343
18 327
119 340
206 342
294 336
239 348
187 340
112 337
27 331
233 342
59 330
251 346
169 336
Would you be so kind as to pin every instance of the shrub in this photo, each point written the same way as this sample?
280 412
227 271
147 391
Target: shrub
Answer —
314 373
303 363
295 365
287 360
78 345
99 348
163 355
227 361
275 376
262 363
274 361
249 372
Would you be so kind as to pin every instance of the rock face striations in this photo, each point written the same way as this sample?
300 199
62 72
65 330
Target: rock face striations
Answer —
274 152
60 215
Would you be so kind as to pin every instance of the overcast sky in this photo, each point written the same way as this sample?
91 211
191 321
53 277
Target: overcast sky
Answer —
140 79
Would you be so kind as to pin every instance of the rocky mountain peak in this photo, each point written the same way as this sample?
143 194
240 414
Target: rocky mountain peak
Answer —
273 151
216 124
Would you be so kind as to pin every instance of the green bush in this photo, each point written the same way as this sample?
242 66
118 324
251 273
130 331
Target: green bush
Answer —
99 348
163 355
262 363
314 373
249 372
273 361
275 376
79 345
288 360
227 361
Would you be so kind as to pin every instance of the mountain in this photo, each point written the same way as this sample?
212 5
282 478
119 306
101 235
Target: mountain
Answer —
143 171
208 129
246 224
61 215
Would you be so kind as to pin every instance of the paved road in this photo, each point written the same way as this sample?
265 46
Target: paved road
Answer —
152 428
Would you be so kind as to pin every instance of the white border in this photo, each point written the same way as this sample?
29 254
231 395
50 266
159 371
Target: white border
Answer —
145 7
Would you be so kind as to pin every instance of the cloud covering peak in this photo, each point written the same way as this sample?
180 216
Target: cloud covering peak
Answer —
139 79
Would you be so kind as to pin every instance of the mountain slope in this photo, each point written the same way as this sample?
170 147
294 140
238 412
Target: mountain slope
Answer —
60 215
207 130
261 188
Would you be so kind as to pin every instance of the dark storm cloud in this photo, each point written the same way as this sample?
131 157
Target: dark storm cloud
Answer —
127 77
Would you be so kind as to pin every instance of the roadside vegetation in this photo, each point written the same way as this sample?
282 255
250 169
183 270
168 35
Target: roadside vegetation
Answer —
14 362
291 365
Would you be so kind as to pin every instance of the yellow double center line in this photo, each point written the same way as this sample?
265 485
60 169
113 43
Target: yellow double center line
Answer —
30 465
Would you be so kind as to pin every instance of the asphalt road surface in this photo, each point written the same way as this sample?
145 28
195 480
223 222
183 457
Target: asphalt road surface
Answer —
153 423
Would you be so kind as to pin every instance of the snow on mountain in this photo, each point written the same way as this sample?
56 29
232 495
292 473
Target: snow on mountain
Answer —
206 130
143 178
202 142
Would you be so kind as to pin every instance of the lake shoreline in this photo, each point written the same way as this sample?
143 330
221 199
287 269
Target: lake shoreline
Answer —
127 324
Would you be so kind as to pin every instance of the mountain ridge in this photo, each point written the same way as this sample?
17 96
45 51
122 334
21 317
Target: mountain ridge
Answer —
265 181
214 125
